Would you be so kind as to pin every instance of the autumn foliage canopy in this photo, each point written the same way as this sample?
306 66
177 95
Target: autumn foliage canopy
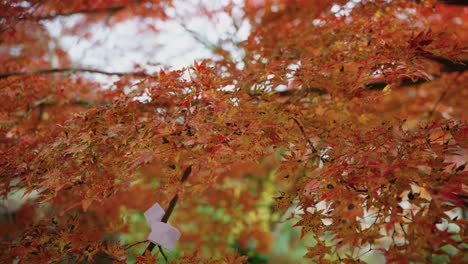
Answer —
346 118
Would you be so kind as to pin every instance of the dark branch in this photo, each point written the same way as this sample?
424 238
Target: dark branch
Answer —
170 209
109 10
314 150
449 65
376 86
356 189
306 90
455 2
134 244
163 254
30 16
71 70
437 103
187 172
379 86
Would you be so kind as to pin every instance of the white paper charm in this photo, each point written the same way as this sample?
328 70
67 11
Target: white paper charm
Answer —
162 234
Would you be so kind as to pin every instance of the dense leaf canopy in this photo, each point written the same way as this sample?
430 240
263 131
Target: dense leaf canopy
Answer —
348 117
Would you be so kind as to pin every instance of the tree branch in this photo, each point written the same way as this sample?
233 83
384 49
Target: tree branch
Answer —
455 2
314 150
163 254
109 10
448 64
200 39
356 189
71 70
437 103
134 244
30 16
168 213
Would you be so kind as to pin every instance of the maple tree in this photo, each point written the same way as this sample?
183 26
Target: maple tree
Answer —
347 116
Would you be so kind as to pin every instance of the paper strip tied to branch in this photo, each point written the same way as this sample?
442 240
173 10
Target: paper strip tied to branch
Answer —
162 234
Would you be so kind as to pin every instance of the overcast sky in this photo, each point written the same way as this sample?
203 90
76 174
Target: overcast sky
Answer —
120 47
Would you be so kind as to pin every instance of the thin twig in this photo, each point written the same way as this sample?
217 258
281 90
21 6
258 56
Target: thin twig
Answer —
437 103
314 150
200 39
71 70
163 254
356 189
362 254
134 244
